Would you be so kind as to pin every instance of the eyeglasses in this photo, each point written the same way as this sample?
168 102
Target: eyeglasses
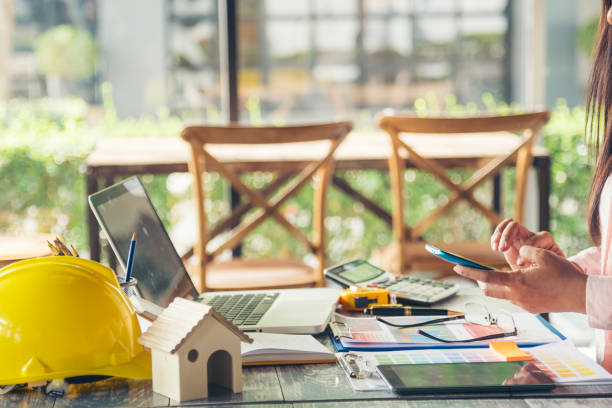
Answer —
475 313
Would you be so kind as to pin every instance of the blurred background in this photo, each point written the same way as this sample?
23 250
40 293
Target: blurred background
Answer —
75 71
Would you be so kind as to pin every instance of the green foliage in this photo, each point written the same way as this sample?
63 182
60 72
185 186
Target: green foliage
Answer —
43 145
67 52
586 36
571 175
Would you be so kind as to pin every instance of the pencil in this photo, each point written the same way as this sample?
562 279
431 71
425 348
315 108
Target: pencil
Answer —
54 250
62 247
130 260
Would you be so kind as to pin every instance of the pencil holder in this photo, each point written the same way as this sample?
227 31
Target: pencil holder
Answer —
128 287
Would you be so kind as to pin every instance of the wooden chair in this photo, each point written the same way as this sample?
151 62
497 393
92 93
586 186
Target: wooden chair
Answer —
454 135
253 273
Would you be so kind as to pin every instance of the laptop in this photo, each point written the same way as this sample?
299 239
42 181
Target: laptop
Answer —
125 208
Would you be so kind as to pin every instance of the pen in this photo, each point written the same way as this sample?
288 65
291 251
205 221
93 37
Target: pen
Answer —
399 310
130 260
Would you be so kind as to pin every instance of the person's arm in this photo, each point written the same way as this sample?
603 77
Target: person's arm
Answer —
598 288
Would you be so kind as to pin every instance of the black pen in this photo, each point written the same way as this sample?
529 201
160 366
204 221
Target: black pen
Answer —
400 310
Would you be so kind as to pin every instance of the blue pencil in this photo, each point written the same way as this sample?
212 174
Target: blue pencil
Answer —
130 260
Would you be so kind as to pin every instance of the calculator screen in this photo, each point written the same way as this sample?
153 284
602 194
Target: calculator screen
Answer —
361 273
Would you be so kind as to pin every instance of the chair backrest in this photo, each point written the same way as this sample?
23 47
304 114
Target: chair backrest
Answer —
290 179
524 128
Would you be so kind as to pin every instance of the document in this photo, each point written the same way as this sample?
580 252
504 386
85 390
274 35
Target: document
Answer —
360 333
273 348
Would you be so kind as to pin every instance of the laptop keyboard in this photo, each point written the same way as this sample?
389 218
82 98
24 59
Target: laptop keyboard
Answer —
242 309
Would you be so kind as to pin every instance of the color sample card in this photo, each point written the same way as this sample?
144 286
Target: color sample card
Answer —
436 356
560 361
567 364
358 332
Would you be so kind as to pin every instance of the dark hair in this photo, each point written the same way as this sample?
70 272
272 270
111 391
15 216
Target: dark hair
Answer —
598 128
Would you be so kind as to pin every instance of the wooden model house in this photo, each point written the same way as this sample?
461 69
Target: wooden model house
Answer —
193 345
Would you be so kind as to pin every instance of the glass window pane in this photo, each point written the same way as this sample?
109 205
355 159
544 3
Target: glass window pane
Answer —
339 59
287 8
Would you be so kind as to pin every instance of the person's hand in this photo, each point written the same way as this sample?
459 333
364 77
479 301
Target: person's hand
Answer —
528 374
509 236
550 283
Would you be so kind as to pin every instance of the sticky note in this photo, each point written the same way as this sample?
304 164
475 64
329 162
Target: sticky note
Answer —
509 351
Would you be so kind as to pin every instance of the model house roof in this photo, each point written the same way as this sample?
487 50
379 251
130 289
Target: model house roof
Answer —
178 321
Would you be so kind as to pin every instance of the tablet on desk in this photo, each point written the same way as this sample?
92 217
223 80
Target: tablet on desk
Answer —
465 377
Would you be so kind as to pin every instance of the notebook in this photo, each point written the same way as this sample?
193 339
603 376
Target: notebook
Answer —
125 208
274 348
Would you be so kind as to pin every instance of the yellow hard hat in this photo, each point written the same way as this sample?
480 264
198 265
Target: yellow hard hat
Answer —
62 316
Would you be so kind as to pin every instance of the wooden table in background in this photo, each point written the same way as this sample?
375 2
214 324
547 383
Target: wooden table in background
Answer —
20 247
117 158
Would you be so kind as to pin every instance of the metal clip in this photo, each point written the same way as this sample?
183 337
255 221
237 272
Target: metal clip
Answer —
350 362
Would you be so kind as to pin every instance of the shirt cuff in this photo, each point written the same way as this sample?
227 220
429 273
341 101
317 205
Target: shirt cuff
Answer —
588 260
598 295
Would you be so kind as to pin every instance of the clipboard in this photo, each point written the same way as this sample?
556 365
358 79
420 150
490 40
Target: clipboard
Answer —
339 347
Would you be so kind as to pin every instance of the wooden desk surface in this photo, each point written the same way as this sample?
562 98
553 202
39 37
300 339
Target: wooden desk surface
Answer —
358 151
301 386
313 385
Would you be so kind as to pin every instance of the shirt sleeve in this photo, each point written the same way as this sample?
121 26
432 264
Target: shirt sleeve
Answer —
589 260
598 306
598 289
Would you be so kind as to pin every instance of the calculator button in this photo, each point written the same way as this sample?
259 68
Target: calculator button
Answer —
419 289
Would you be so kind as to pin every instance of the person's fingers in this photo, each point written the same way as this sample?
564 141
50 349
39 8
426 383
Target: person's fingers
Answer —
540 239
496 291
498 233
510 234
532 255
494 277
544 239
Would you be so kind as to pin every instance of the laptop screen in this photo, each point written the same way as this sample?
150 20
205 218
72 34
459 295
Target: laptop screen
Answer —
125 208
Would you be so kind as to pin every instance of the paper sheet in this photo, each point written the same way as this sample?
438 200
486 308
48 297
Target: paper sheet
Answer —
271 343
286 348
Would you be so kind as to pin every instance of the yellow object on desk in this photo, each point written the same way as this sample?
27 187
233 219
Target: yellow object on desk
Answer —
63 316
357 299
509 351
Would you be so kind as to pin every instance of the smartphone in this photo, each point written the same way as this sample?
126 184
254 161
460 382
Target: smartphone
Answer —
454 258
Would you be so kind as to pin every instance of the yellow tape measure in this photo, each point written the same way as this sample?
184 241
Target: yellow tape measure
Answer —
357 299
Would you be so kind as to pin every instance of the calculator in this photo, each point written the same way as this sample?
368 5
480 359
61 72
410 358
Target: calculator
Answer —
419 291
404 289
